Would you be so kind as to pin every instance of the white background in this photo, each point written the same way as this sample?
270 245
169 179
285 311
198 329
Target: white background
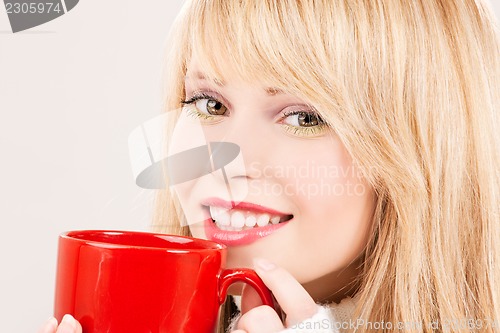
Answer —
71 91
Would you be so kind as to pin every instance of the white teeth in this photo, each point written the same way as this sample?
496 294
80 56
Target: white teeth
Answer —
237 220
220 215
263 220
214 212
250 221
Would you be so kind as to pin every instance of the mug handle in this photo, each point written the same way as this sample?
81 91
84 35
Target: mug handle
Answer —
230 276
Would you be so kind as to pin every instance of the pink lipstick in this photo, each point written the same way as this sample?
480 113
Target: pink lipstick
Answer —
242 223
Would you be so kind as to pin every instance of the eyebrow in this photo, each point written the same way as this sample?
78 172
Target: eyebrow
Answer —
196 75
203 77
271 91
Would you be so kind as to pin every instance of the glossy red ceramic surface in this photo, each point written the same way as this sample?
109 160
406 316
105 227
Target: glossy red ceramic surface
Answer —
121 281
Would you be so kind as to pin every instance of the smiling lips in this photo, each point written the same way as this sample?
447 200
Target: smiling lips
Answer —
241 224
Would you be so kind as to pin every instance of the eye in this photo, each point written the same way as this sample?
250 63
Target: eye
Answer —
211 107
207 105
302 119
304 124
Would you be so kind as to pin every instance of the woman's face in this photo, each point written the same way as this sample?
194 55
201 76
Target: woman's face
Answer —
304 205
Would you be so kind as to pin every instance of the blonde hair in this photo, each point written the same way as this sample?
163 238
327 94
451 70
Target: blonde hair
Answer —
412 88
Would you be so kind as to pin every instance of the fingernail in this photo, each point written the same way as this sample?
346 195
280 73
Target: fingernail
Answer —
69 320
263 264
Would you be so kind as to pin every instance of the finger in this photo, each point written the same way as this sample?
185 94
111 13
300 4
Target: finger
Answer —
69 325
50 326
292 297
249 299
78 327
238 331
262 319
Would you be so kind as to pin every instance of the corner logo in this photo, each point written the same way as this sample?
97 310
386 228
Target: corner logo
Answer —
31 13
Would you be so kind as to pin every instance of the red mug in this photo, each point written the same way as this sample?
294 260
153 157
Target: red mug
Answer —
138 282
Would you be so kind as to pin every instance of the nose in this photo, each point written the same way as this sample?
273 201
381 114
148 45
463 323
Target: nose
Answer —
253 146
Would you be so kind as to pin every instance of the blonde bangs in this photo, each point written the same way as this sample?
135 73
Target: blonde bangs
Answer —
272 43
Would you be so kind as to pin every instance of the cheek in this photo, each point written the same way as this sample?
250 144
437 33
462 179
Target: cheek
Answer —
332 235
334 207
320 174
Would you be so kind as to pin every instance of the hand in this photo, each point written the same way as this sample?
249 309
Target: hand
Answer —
68 325
291 296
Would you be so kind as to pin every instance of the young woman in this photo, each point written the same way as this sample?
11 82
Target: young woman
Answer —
369 131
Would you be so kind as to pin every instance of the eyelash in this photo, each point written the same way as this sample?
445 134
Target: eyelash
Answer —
198 97
294 130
